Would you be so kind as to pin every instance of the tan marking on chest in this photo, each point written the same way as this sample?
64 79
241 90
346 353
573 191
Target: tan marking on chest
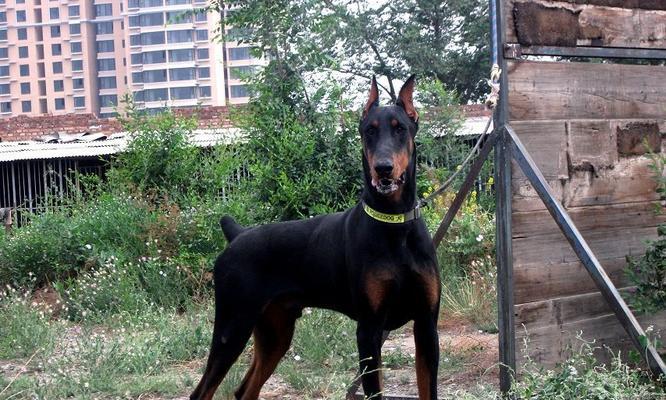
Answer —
377 285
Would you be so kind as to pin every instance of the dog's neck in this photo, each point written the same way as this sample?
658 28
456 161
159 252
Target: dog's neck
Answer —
406 199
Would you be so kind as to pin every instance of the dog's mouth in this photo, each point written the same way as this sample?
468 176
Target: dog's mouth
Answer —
387 186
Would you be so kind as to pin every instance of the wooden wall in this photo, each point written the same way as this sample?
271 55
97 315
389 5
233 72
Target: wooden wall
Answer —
586 125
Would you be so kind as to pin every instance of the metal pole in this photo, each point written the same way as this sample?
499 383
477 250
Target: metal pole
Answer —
504 256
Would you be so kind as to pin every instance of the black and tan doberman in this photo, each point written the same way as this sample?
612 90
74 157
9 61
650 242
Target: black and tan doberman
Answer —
374 263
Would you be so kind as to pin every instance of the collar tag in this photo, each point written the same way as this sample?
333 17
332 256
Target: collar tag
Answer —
391 218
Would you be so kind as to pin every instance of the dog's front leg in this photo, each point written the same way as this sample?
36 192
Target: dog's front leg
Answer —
369 337
426 339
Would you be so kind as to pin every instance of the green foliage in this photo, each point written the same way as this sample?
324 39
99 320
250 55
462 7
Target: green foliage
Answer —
582 377
447 41
302 152
322 361
648 275
24 330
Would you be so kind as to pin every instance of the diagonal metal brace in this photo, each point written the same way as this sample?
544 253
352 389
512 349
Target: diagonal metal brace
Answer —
583 251
465 188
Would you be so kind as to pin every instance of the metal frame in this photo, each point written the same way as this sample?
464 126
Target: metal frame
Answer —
514 50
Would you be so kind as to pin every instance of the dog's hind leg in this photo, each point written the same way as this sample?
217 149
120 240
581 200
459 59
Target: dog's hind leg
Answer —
272 338
230 335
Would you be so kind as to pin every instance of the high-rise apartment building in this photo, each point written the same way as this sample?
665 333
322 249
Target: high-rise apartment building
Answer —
82 56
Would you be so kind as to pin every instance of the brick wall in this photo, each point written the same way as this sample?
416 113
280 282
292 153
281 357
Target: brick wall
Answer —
30 128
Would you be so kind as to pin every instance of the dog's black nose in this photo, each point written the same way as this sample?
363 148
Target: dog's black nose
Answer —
384 167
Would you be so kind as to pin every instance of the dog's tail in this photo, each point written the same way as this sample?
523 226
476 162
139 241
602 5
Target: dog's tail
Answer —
230 228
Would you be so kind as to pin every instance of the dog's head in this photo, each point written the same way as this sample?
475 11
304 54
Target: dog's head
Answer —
387 133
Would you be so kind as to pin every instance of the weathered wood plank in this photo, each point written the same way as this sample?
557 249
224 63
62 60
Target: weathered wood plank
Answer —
541 281
571 23
558 90
547 140
592 145
558 311
606 217
554 249
549 345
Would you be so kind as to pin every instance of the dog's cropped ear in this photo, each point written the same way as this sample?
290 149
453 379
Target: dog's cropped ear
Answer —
405 98
373 98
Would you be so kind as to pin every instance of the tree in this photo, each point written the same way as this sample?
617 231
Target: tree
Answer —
442 39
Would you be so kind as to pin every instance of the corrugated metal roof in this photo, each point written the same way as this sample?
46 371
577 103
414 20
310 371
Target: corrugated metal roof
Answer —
33 150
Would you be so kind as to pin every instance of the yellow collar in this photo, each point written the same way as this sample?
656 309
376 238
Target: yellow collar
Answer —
392 218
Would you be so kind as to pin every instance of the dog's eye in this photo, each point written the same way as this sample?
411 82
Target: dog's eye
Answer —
400 129
371 131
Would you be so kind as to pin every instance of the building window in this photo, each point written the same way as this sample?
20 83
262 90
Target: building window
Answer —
3 16
240 53
79 102
4 70
6 107
178 17
57 67
24 70
75 29
204 72
136 59
183 93
3 33
138 96
26 106
20 16
202 35
150 38
105 46
75 47
241 72
23 52
4 52
22 34
107 82
202 54
54 13
25 87
179 36
77 65
204 91
55 31
56 49
58 85
74 11
77 83
103 10
156 94
152 19
60 104
181 55
104 28
106 64
159 75
239 91
4 88
201 16
177 2
154 57
181 74
108 100
137 77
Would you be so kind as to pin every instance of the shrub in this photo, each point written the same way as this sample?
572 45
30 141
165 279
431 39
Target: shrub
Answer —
582 377
302 151
648 275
